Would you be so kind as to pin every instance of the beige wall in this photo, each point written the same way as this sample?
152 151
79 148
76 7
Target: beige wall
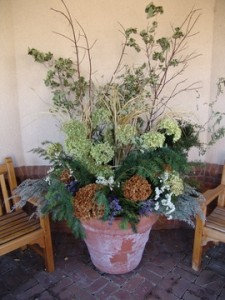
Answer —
217 152
30 23
10 134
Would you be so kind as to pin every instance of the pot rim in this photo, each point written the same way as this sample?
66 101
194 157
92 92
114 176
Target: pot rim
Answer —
98 224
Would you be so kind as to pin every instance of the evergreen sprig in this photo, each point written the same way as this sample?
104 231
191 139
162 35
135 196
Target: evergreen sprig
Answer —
150 164
59 202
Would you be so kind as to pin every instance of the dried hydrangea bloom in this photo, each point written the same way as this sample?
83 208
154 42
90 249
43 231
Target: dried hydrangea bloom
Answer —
65 176
152 140
126 134
100 116
102 153
85 206
167 168
137 188
171 127
76 141
79 148
176 184
54 149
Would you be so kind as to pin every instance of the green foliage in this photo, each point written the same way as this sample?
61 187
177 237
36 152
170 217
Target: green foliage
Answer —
39 56
150 164
102 200
61 161
163 57
62 78
164 43
129 215
132 82
189 138
152 10
178 33
59 203
215 130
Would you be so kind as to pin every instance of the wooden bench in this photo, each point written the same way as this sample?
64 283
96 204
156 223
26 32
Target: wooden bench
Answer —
212 229
17 229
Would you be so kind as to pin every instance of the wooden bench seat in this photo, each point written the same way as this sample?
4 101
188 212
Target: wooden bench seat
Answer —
17 228
212 227
216 220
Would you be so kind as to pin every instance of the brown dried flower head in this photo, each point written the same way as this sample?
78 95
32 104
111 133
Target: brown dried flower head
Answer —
85 206
137 188
65 176
168 168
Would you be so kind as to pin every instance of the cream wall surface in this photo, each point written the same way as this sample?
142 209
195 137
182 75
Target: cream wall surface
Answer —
31 23
217 152
10 133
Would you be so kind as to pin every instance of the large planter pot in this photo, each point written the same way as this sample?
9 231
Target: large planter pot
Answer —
114 250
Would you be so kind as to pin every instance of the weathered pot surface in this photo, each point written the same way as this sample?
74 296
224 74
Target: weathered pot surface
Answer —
114 250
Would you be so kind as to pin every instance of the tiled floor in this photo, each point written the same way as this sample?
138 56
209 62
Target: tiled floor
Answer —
164 273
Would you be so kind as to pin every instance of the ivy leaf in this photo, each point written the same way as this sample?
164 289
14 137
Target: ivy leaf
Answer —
174 62
132 43
178 33
147 38
164 43
152 10
39 56
158 56
129 31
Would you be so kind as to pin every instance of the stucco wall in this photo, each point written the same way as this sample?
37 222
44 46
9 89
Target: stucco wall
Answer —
10 134
217 152
31 23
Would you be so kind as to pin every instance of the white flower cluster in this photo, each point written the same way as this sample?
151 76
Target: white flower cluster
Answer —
47 178
107 182
165 193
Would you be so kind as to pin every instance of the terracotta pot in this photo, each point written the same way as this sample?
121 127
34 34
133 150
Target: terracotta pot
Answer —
114 250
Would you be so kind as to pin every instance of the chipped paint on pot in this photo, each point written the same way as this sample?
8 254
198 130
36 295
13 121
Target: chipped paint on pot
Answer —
114 250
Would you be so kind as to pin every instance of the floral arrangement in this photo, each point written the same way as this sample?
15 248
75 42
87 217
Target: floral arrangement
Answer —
150 179
125 154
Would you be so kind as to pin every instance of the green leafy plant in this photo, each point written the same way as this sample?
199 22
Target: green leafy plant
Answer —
216 131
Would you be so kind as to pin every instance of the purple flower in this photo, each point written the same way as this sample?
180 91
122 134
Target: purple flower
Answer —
114 206
146 207
72 186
